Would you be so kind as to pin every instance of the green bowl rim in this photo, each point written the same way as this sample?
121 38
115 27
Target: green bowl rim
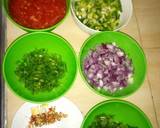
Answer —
82 74
28 34
118 101
37 30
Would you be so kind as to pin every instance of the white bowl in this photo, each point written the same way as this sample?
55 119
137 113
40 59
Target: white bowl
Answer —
127 10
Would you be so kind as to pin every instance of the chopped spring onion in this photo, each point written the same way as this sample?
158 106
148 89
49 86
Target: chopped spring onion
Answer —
107 121
40 71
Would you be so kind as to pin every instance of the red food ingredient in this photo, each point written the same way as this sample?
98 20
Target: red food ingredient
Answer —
37 14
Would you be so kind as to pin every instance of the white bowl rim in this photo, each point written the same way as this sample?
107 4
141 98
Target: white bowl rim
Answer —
92 31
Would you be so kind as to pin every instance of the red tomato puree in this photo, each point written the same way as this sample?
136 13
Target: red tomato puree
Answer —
37 14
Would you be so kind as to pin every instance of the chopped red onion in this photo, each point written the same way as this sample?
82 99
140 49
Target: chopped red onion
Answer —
107 67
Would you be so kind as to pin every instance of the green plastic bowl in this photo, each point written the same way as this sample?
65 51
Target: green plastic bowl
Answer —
122 111
5 4
131 48
29 42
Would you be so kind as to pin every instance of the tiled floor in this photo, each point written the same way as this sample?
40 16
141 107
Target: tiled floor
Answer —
153 56
145 28
148 18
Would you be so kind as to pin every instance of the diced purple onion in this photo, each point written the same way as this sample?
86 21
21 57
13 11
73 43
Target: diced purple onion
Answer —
108 67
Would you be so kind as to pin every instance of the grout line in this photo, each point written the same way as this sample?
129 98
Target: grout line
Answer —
139 33
153 48
154 106
138 27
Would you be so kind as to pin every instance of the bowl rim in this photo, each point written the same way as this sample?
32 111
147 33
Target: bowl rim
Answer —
117 101
35 30
82 74
49 103
93 31
34 33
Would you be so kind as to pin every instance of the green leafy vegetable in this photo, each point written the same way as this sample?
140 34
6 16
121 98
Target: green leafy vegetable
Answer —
107 121
40 71
99 15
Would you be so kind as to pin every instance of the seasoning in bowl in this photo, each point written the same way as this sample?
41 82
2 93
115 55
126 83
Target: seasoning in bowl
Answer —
44 115
108 68
37 14
40 71
101 15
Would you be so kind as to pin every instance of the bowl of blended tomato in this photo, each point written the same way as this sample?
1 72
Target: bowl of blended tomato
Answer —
37 15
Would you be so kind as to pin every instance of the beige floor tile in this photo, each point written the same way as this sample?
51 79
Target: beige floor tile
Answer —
157 104
13 32
132 29
13 104
147 14
153 56
143 99
71 31
146 3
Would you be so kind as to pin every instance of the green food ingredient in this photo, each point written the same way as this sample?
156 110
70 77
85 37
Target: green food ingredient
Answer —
101 15
107 121
40 71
